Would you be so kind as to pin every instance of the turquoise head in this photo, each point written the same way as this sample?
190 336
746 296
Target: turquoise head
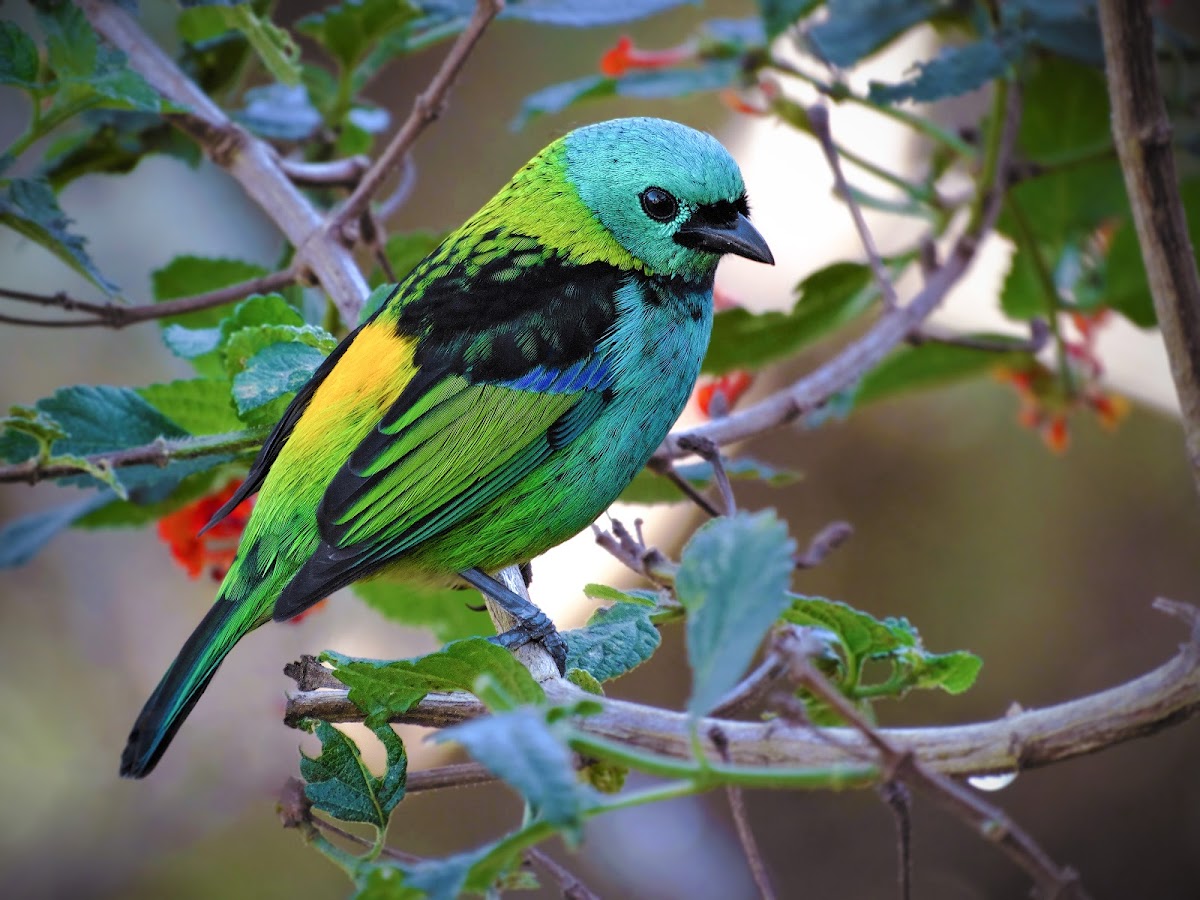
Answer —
671 196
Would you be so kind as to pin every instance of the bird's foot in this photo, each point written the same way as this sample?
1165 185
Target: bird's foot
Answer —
540 629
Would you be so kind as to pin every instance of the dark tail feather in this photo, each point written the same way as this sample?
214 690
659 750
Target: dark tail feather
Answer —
179 690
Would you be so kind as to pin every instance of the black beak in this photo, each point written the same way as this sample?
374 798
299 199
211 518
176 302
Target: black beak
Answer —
739 237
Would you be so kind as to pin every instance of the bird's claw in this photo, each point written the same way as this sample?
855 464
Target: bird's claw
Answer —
544 633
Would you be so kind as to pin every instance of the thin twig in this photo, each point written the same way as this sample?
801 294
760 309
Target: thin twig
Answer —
711 453
854 361
388 852
823 543
1053 881
1142 134
455 775
345 172
897 798
1039 336
403 190
570 884
666 468
114 315
741 822
818 117
427 107
157 453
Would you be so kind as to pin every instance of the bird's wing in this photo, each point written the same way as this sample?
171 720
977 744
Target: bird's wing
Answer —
445 449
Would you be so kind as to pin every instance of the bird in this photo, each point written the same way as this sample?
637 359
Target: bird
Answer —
498 401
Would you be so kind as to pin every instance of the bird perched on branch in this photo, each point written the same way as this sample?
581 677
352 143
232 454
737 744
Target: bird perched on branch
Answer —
501 398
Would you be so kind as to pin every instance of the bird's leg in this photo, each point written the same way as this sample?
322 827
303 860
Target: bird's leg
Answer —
532 623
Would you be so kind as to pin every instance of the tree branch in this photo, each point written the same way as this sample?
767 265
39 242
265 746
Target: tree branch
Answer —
115 315
427 107
253 163
1142 135
1028 739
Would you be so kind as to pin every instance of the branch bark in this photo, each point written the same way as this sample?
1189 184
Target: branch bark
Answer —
1142 135
253 163
1028 739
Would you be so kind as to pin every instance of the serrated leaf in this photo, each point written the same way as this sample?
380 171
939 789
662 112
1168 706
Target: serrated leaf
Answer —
279 369
732 580
200 405
386 689
18 56
187 275
827 299
954 672
273 44
71 44
614 641
191 343
953 72
29 207
444 611
709 75
35 424
280 112
857 28
520 748
614 595
934 364
339 782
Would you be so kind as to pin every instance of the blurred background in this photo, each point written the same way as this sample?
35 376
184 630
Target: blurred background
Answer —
1044 565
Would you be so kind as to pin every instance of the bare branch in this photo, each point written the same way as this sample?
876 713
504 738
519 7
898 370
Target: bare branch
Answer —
572 888
253 163
456 775
897 799
711 453
666 468
1029 739
1039 336
345 172
823 543
158 453
1142 135
400 194
741 822
853 362
818 119
115 315
427 107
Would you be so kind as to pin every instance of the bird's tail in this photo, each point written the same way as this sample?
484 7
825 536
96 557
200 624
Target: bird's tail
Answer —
182 686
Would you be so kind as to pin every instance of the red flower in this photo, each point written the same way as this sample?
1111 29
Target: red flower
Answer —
717 396
215 549
625 57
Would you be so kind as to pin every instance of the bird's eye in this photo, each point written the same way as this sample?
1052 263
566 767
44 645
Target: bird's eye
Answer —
659 205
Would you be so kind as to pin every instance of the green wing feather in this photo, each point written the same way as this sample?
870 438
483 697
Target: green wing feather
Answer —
422 471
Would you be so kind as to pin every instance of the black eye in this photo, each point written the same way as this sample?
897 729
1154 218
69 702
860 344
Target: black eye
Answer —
659 205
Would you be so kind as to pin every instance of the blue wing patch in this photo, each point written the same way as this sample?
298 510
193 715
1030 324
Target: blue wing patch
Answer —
587 374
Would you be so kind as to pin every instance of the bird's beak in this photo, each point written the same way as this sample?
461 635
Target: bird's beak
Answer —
741 238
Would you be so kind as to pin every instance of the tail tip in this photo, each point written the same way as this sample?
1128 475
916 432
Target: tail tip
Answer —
135 761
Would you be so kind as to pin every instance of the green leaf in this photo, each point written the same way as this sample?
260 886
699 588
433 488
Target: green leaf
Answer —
827 299
1126 289
386 689
614 641
732 580
934 364
33 424
709 75
349 29
187 275
444 611
71 44
857 28
376 299
201 405
29 207
273 44
780 15
407 249
521 749
1022 296
275 371
953 72
113 142
339 782
18 57
613 595
648 487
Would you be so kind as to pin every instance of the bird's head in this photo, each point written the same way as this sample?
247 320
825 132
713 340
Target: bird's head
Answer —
671 196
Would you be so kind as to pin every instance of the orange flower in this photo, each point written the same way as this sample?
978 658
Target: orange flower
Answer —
734 100
624 57
717 396
215 549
